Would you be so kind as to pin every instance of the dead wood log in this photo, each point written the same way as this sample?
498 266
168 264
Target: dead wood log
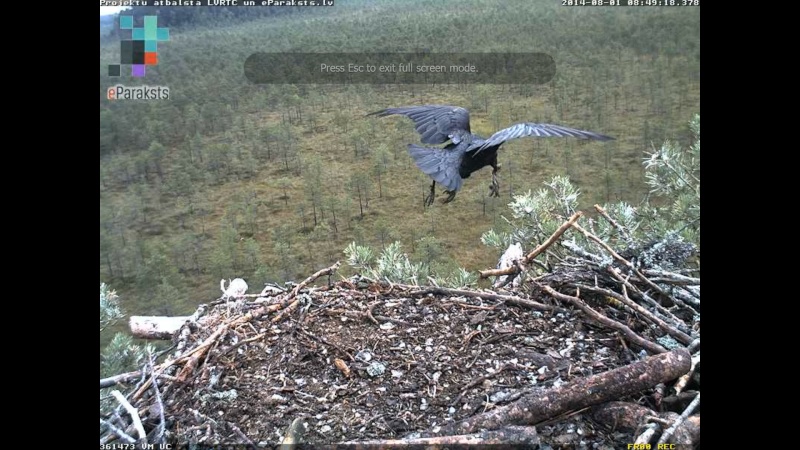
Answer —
156 327
507 437
543 404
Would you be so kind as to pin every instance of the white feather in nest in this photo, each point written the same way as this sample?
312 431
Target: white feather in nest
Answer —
513 253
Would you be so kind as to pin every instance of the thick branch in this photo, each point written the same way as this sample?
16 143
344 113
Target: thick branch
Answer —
543 404
516 436
155 327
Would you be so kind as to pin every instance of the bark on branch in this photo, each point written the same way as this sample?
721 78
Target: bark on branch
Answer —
507 437
156 327
538 250
543 404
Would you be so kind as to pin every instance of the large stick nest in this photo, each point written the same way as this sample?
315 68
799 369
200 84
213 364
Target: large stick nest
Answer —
359 360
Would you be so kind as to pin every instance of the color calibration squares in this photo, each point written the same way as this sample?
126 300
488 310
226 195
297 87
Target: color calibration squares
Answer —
142 49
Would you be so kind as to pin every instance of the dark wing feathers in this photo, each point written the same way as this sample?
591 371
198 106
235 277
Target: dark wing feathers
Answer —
435 123
538 130
441 165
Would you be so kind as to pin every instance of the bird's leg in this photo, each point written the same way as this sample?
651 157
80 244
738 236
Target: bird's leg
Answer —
429 198
450 196
494 189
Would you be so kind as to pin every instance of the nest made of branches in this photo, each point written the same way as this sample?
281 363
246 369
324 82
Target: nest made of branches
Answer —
375 363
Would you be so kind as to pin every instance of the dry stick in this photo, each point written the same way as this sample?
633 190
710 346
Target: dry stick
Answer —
671 277
650 430
241 343
620 229
685 414
286 311
511 299
121 378
680 385
624 280
329 271
619 258
627 332
121 434
162 424
510 436
514 269
476 382
241 435
137 422
325 341
370 307
294 304
361 315
190 362
682 337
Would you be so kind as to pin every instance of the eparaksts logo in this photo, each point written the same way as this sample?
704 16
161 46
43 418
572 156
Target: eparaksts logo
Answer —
144 92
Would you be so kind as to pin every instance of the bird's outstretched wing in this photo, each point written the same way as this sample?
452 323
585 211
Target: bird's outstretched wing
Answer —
435 123
439 164
537 130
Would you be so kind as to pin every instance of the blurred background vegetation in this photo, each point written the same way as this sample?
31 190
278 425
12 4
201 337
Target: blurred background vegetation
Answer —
272 182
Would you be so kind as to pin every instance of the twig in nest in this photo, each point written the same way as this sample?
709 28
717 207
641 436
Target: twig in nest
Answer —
620 229
510 299
121 434
322 340
243 342
161 422
289 309
137 421
680 336
680 385
626 283
627 332
561 417
476 382
370 307
514 269
649 431
624 261
688 411
329 271
390 319
242 436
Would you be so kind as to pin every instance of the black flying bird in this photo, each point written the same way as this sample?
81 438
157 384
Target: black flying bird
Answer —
466 152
